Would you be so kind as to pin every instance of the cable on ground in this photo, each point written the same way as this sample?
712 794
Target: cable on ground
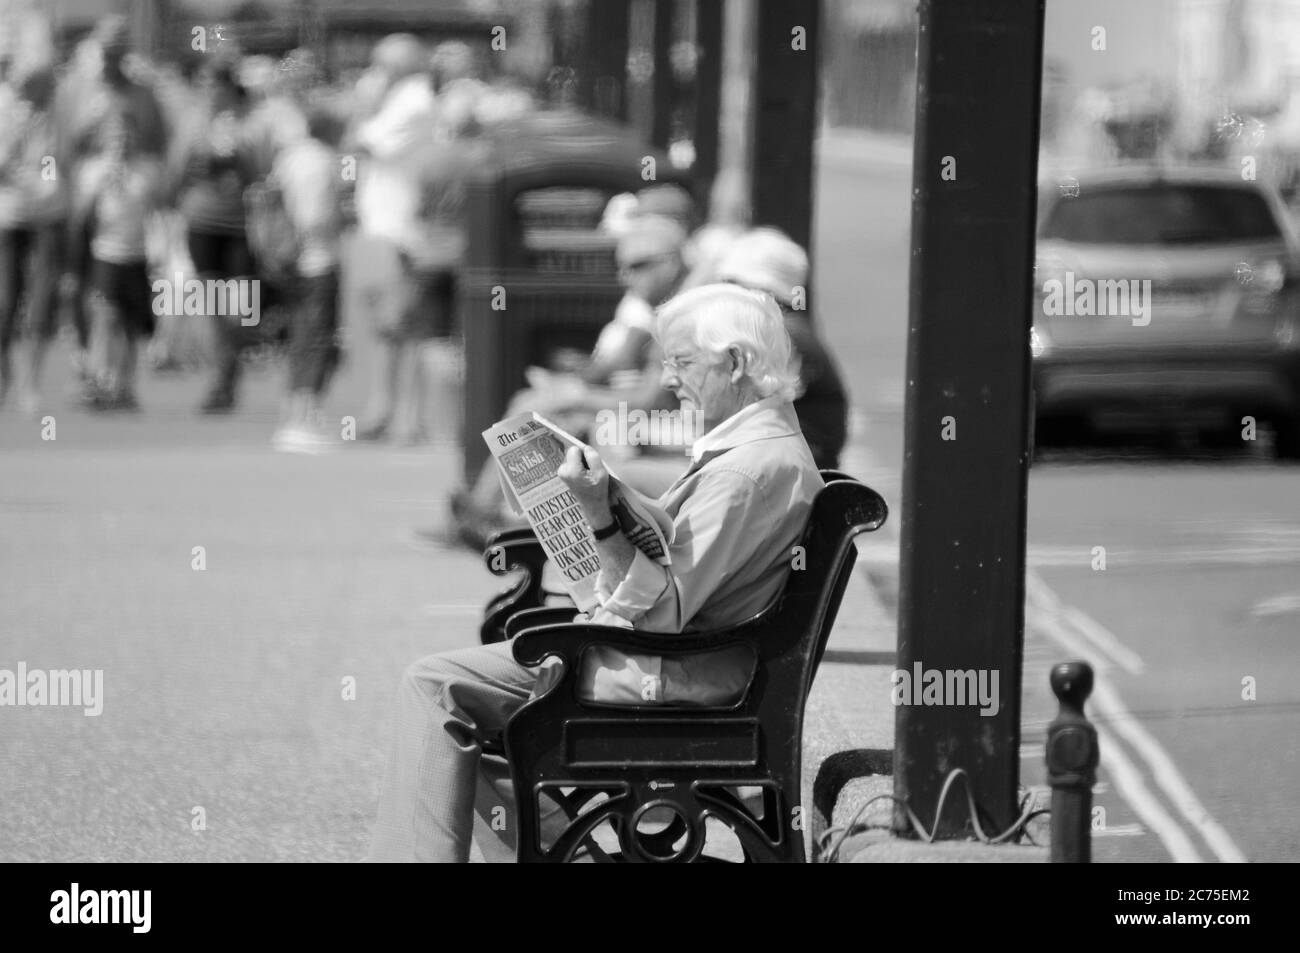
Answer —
1027 813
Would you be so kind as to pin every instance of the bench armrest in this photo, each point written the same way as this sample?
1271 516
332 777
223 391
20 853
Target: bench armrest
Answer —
544 615
568 640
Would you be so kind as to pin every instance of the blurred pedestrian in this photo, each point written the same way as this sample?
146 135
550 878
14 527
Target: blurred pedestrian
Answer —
458 88
394 130
33 214
277 116
213 163
117 191
101 88
96 89
307 172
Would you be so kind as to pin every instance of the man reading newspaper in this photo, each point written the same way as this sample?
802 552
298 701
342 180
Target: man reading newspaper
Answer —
736 514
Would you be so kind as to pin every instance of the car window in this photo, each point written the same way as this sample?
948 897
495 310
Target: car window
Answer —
1166 214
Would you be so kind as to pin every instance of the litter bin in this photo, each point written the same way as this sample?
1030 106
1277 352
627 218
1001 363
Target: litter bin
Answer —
539 275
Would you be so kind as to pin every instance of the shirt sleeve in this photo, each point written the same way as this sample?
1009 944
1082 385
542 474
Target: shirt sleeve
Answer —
633 596
715 533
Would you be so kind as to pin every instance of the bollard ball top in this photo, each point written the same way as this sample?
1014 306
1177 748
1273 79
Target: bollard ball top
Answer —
1072 682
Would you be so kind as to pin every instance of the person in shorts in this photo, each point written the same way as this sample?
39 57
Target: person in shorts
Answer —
118 190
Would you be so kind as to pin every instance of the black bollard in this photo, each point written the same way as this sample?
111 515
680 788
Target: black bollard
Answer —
1071 765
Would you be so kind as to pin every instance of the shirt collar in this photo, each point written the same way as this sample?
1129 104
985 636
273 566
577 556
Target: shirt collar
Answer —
767 418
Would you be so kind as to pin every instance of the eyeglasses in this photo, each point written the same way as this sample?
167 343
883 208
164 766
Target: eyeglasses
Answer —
677 364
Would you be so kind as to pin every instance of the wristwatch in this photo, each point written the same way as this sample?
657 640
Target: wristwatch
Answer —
605 532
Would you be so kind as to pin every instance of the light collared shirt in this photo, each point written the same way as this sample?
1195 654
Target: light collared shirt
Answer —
738 512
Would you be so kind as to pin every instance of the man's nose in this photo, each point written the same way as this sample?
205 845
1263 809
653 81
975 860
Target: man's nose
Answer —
668 379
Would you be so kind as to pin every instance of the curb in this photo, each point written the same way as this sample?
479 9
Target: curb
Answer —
882 847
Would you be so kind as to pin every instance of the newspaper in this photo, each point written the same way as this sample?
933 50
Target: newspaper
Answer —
529 449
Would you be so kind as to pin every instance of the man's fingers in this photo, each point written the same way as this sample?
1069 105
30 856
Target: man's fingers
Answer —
572 468
593 459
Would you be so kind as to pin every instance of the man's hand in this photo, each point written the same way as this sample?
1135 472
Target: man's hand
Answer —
588 481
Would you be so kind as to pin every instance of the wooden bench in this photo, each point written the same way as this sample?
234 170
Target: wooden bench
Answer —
653 774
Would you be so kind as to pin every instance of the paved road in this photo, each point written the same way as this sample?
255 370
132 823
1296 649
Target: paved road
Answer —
1200 591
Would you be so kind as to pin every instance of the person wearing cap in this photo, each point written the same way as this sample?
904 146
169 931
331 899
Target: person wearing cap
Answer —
768 260
623 367
737 512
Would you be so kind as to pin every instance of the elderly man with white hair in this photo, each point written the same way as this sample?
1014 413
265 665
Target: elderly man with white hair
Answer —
737 512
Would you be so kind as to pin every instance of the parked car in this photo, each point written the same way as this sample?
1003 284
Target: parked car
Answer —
1167 296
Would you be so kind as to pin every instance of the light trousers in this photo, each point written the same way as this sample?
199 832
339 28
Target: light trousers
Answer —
438 779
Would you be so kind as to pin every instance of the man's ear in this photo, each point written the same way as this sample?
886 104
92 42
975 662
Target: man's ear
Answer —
739 363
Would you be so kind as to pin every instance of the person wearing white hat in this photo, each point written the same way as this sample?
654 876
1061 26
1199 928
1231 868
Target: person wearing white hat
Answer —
768 260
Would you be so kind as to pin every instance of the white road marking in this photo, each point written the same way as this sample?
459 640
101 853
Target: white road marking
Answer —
1276 605
1105 641
1055 617
1038 595
1110 709
1167 775
1128 778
